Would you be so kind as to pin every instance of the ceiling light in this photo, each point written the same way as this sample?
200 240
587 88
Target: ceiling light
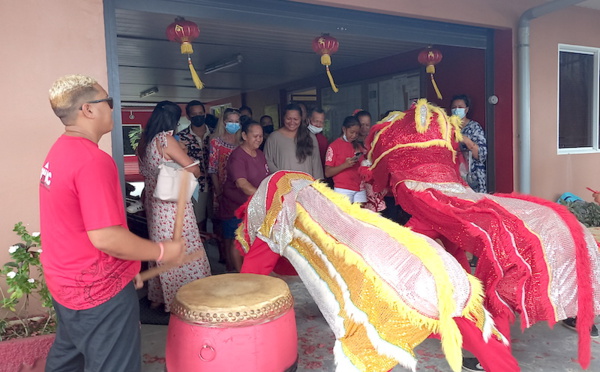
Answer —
236 60
148 92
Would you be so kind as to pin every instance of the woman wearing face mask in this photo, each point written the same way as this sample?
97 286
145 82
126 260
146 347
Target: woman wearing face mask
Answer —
342 162
246 168
293 147
473 146
224 140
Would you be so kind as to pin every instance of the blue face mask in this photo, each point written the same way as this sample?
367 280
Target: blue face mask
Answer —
459 111
232 127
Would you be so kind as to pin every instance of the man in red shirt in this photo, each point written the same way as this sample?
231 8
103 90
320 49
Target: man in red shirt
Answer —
90 258
316 121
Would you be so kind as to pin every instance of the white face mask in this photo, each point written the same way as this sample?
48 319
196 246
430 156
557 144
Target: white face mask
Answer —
313 129
459 111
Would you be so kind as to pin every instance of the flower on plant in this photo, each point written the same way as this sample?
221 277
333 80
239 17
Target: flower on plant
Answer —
18 274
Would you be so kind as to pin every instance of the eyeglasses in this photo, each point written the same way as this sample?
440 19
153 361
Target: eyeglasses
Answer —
108 100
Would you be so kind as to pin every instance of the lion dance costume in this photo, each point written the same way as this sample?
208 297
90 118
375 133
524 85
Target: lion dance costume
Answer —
382 288
535 258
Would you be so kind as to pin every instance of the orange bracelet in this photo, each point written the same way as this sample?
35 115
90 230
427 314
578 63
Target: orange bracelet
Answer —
162 251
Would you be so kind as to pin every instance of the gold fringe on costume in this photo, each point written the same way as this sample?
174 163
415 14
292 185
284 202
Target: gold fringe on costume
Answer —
375 326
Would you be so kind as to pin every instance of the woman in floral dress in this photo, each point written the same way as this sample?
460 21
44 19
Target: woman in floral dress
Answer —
225 139
473 146
157 145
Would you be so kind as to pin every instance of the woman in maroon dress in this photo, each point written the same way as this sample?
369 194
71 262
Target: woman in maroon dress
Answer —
246 168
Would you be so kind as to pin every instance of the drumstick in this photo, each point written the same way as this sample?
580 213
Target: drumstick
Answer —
594 191
177 232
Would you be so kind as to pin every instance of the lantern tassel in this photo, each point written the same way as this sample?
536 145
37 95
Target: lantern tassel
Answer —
195 77
186 48
335 89
435 87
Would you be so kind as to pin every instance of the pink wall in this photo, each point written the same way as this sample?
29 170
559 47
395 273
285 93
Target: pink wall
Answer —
554 174
486 13
41 41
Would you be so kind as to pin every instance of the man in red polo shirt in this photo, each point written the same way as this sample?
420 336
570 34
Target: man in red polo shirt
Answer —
316 121
90 258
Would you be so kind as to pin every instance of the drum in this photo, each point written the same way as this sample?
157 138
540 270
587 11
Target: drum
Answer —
233 322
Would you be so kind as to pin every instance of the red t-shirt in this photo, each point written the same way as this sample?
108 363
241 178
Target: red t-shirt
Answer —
337 152
322 141
80 191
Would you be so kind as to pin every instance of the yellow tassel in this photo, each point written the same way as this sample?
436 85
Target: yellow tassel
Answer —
186 48
430 69
195 76
335 89
326 60
437 91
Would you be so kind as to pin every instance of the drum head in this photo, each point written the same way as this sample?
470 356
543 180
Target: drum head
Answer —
232 300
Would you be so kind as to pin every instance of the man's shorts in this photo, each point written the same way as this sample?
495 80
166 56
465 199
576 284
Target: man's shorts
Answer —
353 196
229 227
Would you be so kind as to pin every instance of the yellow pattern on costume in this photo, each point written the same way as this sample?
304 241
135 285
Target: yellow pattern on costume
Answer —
382 288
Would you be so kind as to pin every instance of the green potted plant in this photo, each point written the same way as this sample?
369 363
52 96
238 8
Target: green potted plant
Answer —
25 338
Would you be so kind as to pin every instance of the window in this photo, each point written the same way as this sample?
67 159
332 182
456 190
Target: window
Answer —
578 130
129 131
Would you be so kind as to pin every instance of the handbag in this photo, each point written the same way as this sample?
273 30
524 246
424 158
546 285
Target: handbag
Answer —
465 170
169 181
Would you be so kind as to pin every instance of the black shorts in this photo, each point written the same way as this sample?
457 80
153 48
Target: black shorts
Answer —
103 338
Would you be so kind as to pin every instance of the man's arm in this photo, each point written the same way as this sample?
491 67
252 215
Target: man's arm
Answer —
119 242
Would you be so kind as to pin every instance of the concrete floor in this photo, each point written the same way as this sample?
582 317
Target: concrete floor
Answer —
539 348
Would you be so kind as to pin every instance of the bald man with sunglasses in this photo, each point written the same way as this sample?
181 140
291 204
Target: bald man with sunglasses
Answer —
90 258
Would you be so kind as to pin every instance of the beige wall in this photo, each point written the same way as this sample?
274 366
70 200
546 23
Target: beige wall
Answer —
41 40
553 174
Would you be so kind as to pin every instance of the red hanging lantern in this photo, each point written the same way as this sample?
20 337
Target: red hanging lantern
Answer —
431 57
326 45
185 32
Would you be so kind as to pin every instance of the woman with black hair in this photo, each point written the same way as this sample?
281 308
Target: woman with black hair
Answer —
343 159
293 147
473 145
157 146
246 168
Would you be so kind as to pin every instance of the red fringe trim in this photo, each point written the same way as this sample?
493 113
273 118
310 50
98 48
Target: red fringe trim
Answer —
585 302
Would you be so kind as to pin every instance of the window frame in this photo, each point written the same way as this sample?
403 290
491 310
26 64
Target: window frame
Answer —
595 52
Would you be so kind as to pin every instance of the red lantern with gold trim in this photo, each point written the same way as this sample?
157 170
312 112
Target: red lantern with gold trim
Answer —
185 32
325 45
431 57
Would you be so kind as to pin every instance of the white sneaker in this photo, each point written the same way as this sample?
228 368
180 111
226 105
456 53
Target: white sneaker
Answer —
135 207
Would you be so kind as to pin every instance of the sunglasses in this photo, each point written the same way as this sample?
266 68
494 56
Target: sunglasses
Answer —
108 100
